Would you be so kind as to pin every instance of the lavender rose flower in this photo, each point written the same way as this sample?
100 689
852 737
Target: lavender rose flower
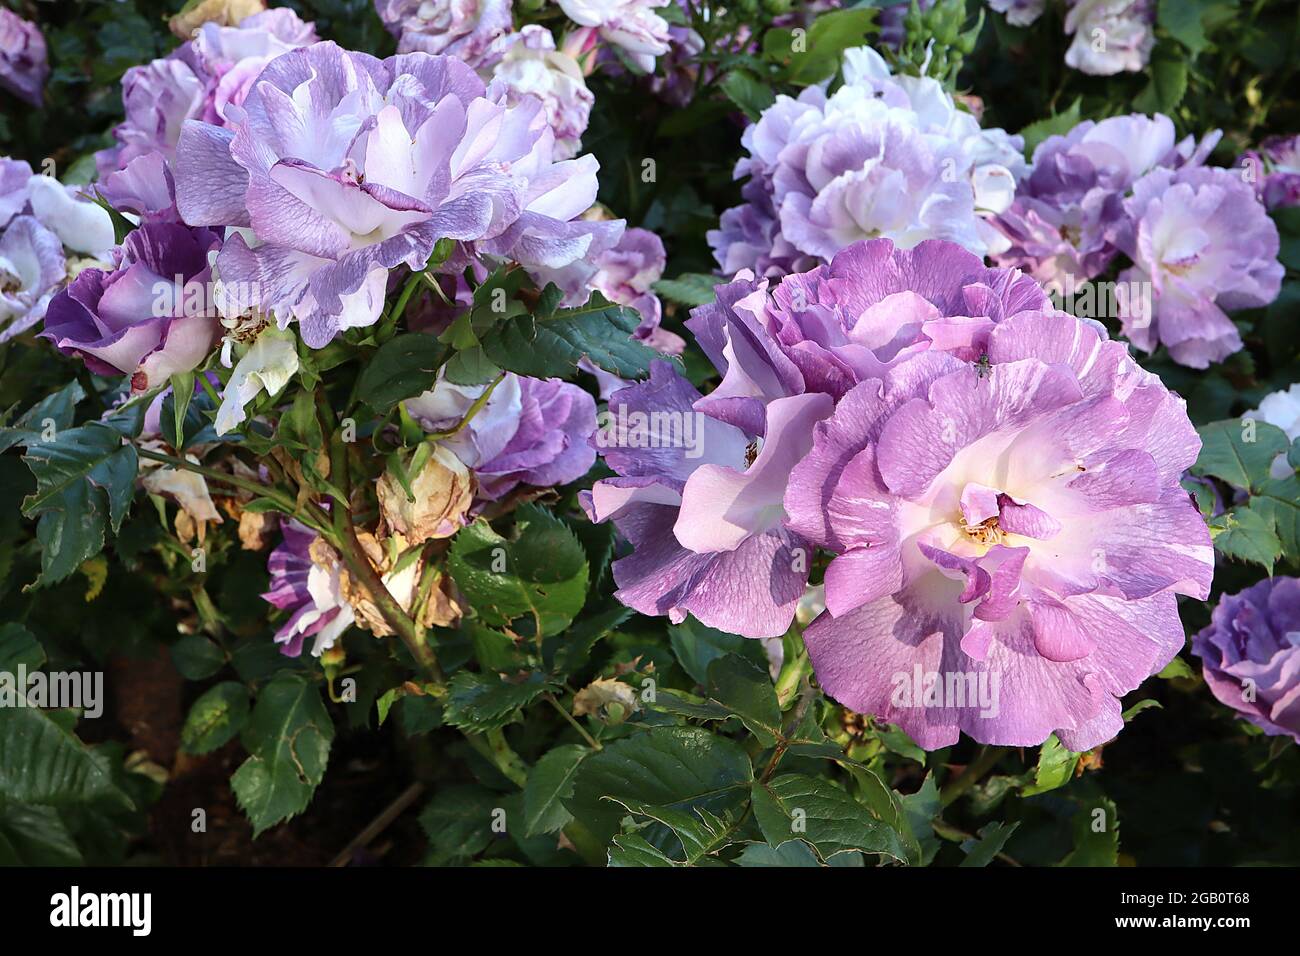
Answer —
1276 171
530 432
872 307
1205 243
626 275
465 29
24 66
1251 655
1062 225
305 581
31 268
1015 527
630 25
201 79
883 156
700 500
137 319
530 65
346 166
1110 36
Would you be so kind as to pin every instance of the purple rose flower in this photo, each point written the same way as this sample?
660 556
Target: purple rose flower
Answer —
24 66
1275 171
530 432
1203 241
1067 211
700 500
15 174
1011 535
626 275
144 187
31 268
346 166
308 590
1110 36
148 317
201 79
631 25
884 156
1251 655
871 308
529 65
465 29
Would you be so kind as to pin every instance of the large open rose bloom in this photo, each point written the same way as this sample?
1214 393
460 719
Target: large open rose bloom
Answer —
883 156
997 481
345 166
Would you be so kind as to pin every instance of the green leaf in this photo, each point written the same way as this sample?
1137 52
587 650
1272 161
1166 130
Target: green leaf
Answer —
828 37
1168 84
18 648
988 843
748 92
541 572
552 347
1239 451
698 645
197 657
1177 668
84 481
736 688
35 836
700 833
458 822
54 411
42 761
289 738
689 288
628 849
482 702
1056 125
1278 503
401 368
1184 20
1245 534
550 782
795 806
1056 765
676 767
215 718
1096 835
790 853
182 392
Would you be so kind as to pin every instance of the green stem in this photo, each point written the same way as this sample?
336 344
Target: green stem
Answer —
262 491
493 747
592 742
985 761
344 538
473 410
